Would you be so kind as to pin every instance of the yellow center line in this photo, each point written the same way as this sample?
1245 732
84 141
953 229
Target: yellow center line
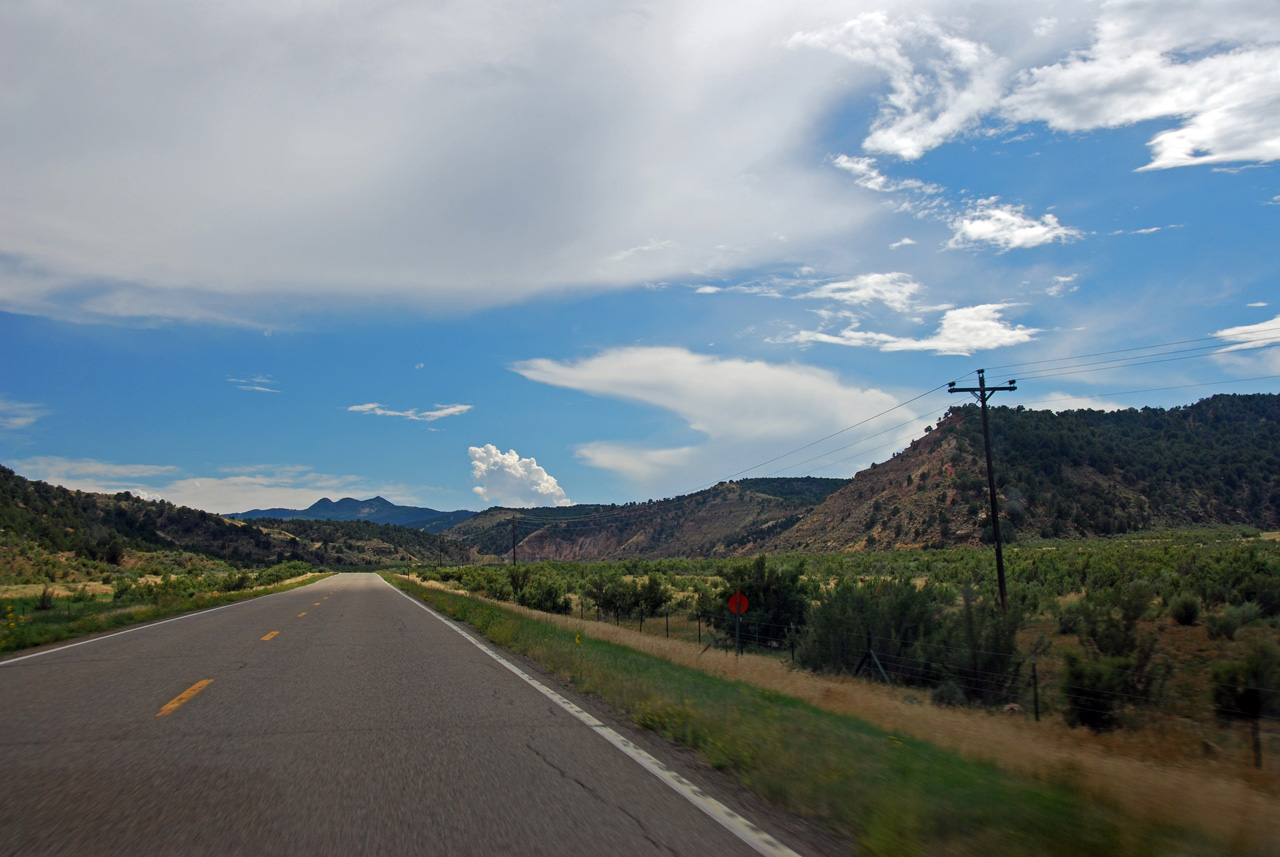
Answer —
317 603
184 697
303 613
272 634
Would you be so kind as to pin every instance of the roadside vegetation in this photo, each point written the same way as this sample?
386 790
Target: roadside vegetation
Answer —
46 599
890 792
1143 669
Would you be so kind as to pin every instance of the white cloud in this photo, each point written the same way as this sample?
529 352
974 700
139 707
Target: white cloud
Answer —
19 415
87 474
447 156
1214 66
1064 284
1006 227
895 290
1257 304
941 83
868 175
1256 347
510 480
258 383
1045 26
747 410
236 490
963 330
905 242
413 414
1059 402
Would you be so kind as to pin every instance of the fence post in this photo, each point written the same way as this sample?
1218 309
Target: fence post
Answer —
1035 687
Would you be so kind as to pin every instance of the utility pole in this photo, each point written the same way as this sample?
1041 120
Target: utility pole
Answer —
513 540
982 392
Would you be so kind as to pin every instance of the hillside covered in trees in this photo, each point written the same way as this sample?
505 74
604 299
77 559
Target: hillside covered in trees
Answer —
102 527
1070 474
1059 475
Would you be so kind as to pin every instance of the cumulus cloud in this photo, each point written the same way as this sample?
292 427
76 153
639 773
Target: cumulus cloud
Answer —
1214 66
941 84
1007 227
19 415
905 242
745 409
963 331
413 414
231 490
509 480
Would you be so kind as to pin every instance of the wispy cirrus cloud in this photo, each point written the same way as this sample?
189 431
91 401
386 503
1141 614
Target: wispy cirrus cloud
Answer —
19 415
744 410
1255 347
440 412
257 384
230 489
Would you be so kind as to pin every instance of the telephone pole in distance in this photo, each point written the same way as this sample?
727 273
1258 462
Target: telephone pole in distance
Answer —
982 392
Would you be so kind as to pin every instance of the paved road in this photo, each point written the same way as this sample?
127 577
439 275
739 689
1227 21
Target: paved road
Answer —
364 725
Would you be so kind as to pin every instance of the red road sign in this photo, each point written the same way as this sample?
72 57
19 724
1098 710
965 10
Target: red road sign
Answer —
738 602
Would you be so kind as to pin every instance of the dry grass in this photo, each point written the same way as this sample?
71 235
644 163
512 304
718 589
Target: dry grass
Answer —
1221 796
60 590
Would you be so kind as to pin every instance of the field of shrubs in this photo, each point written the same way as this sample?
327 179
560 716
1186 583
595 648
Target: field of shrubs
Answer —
1173 628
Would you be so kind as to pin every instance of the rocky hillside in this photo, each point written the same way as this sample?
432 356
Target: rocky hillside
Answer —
1077 473
730 519
1071 474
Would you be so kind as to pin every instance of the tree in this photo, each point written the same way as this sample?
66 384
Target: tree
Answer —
1249 689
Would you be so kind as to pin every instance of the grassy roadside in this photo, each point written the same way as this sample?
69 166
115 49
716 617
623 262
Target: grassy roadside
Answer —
891 794
16 633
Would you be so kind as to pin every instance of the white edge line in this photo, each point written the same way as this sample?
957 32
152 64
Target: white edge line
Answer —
740 827
144 626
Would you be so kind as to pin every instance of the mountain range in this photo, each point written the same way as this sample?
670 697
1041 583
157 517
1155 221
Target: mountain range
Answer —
377 510
1074 474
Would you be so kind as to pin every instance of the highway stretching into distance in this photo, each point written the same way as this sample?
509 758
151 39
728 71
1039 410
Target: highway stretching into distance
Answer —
337 718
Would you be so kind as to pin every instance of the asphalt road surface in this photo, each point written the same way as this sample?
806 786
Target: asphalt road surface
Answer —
337 718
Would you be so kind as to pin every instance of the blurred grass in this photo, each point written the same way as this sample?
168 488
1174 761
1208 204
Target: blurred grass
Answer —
891 794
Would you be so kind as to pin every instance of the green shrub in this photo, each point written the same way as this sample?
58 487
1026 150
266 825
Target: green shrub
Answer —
545 592
1114 667
1185 609
949 694
1222 626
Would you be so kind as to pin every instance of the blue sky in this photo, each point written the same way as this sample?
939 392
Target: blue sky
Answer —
491 252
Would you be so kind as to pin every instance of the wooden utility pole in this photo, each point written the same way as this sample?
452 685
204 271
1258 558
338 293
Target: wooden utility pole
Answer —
513 540
982 392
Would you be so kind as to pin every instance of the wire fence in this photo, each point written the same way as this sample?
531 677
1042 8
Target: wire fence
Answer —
1030 679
